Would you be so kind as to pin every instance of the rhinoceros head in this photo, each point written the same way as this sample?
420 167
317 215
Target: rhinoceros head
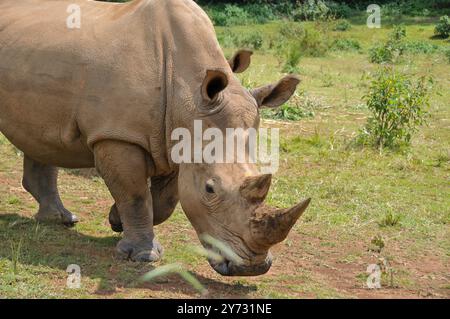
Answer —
226 200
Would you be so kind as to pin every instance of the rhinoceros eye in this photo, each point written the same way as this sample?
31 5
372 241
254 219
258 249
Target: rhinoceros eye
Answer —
209 187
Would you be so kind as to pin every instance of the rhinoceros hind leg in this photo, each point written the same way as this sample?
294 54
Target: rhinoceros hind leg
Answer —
40 180
126 178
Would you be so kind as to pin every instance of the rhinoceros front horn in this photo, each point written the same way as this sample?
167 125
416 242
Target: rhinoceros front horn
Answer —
270 226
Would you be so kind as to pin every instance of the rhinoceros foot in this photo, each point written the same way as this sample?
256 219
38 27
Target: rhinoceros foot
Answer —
58 215
141 251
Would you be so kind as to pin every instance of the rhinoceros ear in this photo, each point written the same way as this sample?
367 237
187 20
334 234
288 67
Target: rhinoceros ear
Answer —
274 95
215 82
240 61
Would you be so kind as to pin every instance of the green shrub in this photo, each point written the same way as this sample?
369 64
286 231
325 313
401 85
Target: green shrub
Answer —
286 112
340 10
229 15
416 47
442 29
308 42
397 105
292 58
390 51
300 106
313 44
389 220
291 30
346 45
311 10
252 40
260 13
447 54
228 39
342 25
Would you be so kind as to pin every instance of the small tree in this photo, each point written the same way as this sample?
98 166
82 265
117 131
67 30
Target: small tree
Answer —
398 106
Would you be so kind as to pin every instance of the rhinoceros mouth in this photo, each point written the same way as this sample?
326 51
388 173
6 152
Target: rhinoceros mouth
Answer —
229 268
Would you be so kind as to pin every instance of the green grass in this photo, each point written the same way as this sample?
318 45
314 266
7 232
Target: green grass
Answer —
358 194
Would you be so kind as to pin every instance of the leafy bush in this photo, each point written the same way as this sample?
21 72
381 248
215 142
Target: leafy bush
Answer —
252 40
295 41
340 10
392 49
229 39
311 10
300 106
417 47
442 29
398 106
229 15
346 45
291 30
447 54
342 25
261 13
293 55
313 44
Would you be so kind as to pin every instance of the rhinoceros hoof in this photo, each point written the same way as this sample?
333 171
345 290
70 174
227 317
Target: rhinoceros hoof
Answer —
56 215
139 251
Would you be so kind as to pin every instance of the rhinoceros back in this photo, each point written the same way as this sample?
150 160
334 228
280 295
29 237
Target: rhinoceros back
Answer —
63 89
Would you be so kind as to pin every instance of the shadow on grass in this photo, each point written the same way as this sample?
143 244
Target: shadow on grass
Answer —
57 247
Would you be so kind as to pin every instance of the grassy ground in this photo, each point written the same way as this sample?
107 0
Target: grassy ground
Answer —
355 192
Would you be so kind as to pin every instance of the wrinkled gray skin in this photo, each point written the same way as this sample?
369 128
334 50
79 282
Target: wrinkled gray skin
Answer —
109 95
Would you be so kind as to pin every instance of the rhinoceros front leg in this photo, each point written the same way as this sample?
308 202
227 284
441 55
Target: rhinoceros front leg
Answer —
40 180
123 166
164 190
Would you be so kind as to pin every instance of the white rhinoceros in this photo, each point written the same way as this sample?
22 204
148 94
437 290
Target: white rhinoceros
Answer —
108 95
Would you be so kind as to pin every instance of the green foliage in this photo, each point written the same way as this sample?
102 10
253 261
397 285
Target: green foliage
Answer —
447 54
229 15
292 59
311 10
390 51
346 45
16 251
442 28
299 106
342 25
261 13
314 43
417 47
252 40
389 220
397 105
340 10
291 30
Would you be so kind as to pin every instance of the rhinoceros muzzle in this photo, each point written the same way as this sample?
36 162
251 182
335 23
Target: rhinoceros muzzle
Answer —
268 226
229 268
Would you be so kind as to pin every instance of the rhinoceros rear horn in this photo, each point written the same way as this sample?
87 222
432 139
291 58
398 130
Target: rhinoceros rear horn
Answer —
255 188
270 226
